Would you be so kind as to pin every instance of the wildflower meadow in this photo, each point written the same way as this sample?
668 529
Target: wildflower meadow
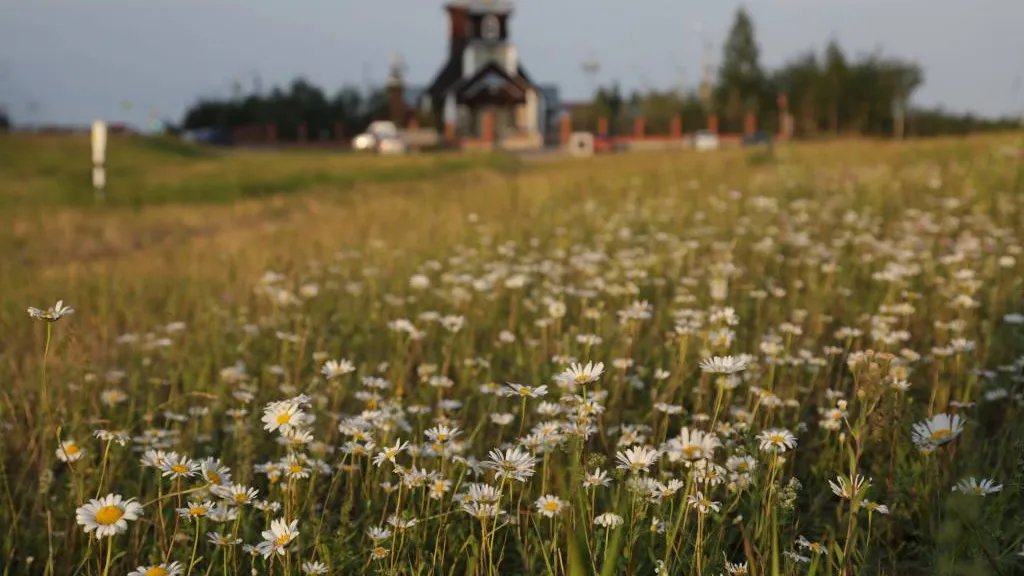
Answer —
806 365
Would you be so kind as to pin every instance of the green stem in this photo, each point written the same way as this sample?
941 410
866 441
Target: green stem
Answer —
110 549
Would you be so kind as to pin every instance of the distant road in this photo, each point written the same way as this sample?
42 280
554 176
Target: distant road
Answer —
541 155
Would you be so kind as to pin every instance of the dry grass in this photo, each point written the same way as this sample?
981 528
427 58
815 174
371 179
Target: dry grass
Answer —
135 266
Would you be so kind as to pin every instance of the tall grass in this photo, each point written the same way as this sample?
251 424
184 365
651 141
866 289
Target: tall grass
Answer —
809 365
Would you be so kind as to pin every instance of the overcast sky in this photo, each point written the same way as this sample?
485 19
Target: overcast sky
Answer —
71 61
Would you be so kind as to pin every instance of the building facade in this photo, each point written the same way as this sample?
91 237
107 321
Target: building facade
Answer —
483 91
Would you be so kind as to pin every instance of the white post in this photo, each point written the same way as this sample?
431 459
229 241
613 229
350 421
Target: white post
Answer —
99 155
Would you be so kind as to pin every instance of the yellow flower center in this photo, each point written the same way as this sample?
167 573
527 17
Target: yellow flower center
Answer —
380 551
581 378
551 506
156 571
241 498
198 511
691 451
108 515
282 539
283 418
941 434
180 468
777 438
213 477
295 468
524 390
71 449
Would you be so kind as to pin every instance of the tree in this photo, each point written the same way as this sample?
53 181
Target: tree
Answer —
801 80
741 82
835 76
301 102
5 120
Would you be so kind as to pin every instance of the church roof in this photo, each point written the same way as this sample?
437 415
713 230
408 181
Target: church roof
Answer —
484 6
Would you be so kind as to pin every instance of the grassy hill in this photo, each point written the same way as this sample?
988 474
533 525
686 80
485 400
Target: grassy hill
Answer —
49 170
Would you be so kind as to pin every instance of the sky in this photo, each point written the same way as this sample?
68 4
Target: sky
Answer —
73 61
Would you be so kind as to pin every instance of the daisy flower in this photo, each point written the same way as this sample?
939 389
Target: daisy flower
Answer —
580 375
702 504
596 479
179 466
389 453
336 368
737 569
282 416
119 436
549 506
442 433
108 516
278 537
172 569
237 494
874 507
378 553
608 520
975 487
523 391
195 510
214 472
776 440
937 430
378 533
723 364
156 458
69 451
53 314
639 458
691 445
513 463
846 488
310 567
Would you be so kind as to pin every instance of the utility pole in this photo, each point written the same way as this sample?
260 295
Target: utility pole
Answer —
899 114
590 67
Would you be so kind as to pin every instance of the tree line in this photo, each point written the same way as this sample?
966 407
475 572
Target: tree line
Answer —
829 93
826 93
301 102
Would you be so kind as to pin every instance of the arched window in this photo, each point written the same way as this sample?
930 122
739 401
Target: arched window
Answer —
490 28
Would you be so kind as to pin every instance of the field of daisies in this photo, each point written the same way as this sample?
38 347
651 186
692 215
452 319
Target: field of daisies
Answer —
814 370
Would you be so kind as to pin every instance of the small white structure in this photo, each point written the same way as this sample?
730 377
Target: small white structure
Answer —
380 136
705 140
581 144
99 156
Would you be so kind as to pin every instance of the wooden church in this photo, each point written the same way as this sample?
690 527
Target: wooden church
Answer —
483 93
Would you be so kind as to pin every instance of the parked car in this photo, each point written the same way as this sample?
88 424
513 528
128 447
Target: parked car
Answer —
390 145
705 140
760 138
211 136
381 137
